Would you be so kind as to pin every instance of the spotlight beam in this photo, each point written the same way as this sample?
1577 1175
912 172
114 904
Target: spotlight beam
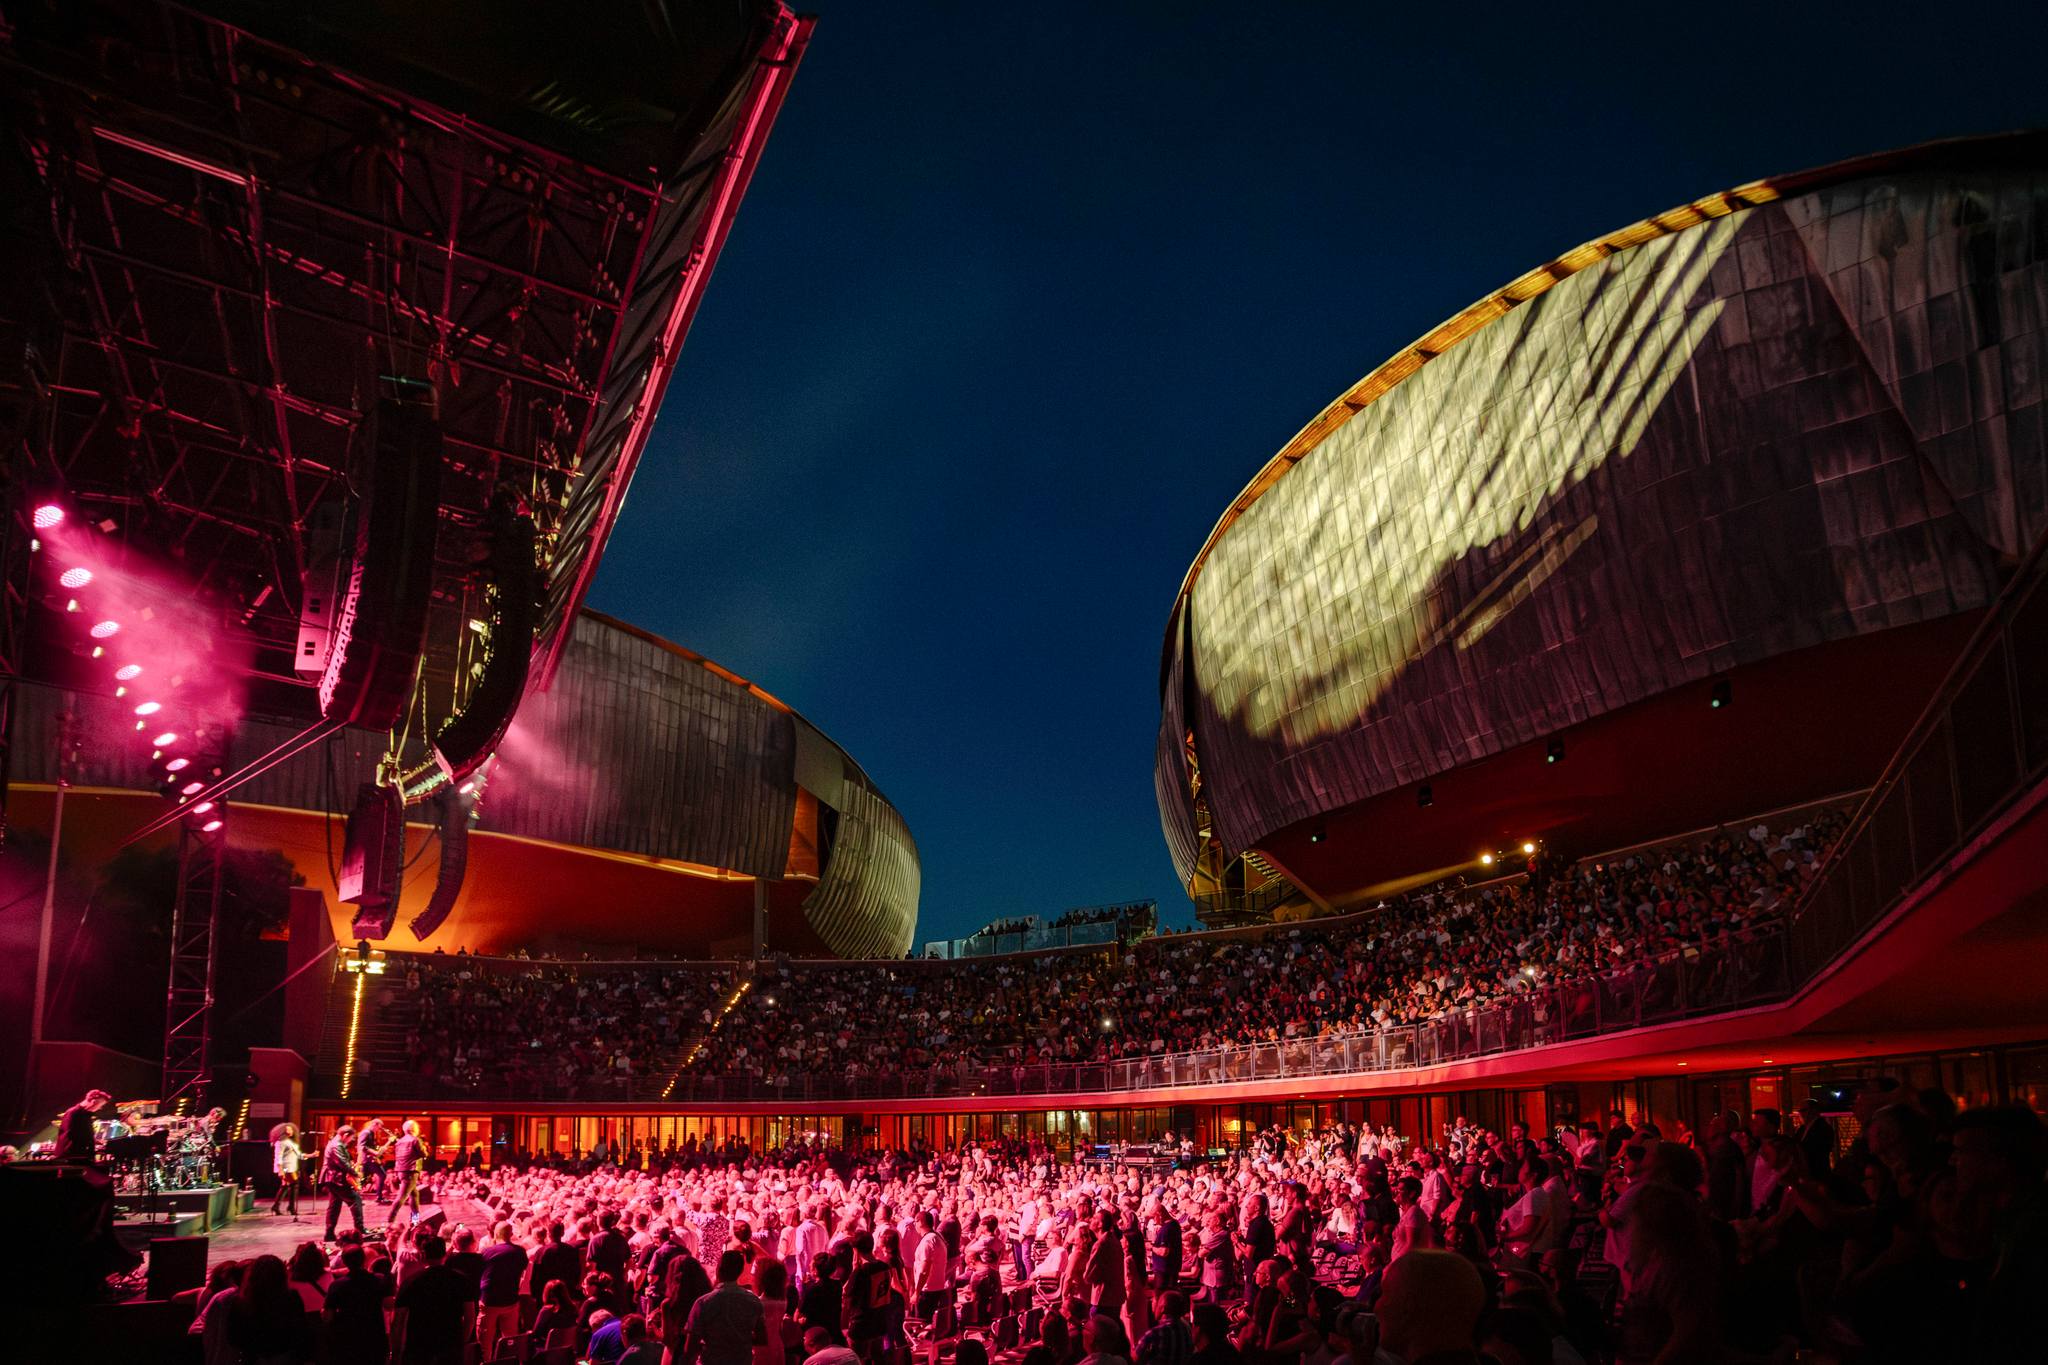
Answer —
305 739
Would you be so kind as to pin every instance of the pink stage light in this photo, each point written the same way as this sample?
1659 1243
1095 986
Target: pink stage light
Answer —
128 672
164 740
177 765
106 630
48 515
191 787
209 827
75 578
202 808
149 708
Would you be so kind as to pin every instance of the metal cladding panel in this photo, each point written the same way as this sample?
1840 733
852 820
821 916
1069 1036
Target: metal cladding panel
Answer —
640 748
865 903
1170 776
1800 422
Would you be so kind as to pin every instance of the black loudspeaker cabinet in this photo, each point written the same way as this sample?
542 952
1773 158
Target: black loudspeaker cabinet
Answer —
249 1163
175 1265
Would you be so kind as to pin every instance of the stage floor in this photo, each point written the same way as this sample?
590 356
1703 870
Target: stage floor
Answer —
259 1233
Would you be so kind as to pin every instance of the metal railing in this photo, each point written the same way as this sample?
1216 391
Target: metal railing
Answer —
1743 969
1979 744
1032 940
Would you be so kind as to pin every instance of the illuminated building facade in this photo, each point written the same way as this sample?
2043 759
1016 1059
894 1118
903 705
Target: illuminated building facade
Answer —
1780 443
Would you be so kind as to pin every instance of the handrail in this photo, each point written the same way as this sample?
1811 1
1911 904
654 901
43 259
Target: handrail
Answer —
1735 971
1979 742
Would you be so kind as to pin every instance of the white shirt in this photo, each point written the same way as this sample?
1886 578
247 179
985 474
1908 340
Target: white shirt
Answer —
284 1156
928 1271
1762 1181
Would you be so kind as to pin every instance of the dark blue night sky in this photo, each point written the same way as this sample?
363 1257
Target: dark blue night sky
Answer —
1022 296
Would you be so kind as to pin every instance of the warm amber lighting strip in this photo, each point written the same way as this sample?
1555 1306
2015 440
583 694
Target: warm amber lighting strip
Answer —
731 1002
355 1020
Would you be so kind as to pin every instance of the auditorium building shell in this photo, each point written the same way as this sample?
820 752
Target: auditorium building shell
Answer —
1688 521
1732 513
641 803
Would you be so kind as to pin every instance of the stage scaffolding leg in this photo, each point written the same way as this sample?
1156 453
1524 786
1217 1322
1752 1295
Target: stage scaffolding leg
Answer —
188 1001
14 570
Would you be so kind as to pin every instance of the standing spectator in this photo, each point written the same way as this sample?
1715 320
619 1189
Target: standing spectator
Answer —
1763 1177
1412 1231
1817 1139
1254 1245
558 1260
727 1324
431 1323
353 1314
1429 1308
268 1323
1169 1342
504 1263
930 1273
1103 1272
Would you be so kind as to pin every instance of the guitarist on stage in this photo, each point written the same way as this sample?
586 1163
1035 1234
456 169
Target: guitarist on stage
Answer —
407 1154
371 1150
340 1178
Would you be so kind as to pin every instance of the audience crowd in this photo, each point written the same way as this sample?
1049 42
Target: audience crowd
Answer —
532 1029
1904 1231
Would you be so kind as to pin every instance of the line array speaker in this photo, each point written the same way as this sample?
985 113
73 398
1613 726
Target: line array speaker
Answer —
381 600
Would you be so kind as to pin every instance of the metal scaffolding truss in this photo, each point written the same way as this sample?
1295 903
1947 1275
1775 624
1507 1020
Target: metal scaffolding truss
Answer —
188 1000
254 245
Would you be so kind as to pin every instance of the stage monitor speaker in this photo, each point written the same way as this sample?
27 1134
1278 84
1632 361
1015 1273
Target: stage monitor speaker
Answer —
373 859
387 576
175 1265
431 1222
249 1162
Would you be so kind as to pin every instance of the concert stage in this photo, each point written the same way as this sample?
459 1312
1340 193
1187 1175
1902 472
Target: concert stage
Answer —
205 1208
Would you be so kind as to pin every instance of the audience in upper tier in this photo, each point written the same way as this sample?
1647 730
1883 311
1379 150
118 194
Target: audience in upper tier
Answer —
1924 1237
523 1029
535 1029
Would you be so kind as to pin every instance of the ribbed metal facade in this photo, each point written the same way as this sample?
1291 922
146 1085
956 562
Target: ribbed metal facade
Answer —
637 747
1714 441
865 903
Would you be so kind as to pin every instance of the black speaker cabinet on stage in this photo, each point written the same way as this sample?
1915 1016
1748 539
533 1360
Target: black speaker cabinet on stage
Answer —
175 1265
249 1163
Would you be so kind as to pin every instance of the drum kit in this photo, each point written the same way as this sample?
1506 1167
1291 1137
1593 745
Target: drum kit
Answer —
152 1153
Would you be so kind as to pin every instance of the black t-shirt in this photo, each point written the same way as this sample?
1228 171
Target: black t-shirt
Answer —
820 1303
356 1303
432 1301
504 1263
608 1252
469 1265
557 1261
74 1135
868 1290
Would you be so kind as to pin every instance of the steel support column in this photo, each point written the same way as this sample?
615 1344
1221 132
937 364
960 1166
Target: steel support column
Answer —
188 999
